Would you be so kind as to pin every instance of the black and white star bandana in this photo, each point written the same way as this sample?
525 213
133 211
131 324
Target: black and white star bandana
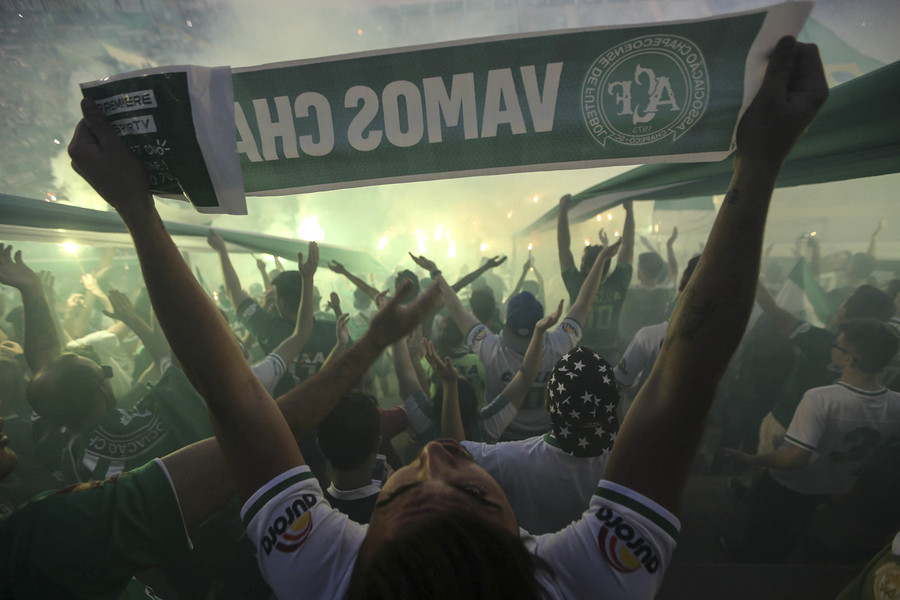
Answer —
582 400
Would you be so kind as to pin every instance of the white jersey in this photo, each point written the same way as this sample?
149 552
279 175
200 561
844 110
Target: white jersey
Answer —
638 360
841 425
501 364
619 548
546 486
269 370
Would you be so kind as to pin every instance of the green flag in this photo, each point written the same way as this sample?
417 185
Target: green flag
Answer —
802 295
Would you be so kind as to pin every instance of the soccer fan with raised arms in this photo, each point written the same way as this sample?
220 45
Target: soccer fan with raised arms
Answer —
442 527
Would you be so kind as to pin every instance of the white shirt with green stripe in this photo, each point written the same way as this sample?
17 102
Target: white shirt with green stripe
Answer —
841 425
619 548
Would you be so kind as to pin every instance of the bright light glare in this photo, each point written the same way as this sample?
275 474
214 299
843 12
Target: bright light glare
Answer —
483 246
609 216
438 232
509 215
189 24
812 233
599 217
70 247
56 141
310 229
530 246
617 234
535 199
587 242
382 243
451 250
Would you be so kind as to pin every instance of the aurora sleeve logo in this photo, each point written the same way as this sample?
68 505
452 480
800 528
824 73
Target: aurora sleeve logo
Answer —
645 90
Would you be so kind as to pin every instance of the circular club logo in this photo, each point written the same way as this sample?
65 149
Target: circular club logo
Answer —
645 90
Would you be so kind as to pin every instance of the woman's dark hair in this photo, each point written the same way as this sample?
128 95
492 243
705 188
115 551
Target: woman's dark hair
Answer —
446 556
350 432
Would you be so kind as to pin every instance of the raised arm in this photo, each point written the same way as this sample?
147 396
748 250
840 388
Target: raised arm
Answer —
563 237
516 390
290 348
709 321
874 239
626 254
123 310
263 273
490 263
464 319
785 321
41 343
529 262
582 304
358 282
236 294
451 419
407 377
670 255
251 431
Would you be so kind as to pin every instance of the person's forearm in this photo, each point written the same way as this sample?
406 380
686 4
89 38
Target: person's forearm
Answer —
532 360
290 348
626 254
407 377
470 278
673 263
172 289
518 285
588 291
306 405
451 420
265 277
710 320
358 282
230 276
564 240
41 343
785 322
79 327
464 319
156 346
785 458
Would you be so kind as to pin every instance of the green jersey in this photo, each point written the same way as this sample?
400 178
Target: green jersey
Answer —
89 539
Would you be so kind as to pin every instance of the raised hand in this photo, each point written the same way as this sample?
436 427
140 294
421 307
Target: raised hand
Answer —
672 237
14 272
90 284
395 319
122 308
604 239
334 302
343 330
308 269
444 368
550 320
423 262
337 267
609 251
495 261
104 160
414 343
216 242
791 94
